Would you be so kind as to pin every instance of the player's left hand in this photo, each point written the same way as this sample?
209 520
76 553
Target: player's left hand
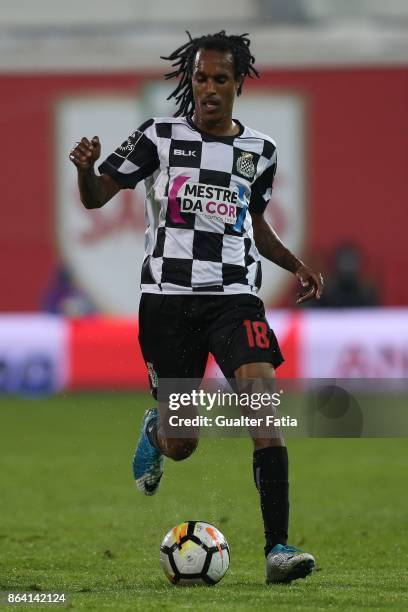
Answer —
312 284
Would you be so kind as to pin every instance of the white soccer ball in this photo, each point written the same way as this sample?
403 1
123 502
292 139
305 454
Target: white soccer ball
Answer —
194 552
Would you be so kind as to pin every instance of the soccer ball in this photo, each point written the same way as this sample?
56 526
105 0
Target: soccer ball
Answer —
194 553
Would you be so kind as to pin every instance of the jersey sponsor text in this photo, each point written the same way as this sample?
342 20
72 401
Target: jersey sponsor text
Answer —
218 203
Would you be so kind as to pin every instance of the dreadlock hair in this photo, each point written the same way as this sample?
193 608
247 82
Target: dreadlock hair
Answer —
183 59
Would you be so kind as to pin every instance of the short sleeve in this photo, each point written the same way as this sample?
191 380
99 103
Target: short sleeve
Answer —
261 191
135 159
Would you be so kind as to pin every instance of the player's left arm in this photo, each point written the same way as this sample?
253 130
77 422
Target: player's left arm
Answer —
271 247
266 239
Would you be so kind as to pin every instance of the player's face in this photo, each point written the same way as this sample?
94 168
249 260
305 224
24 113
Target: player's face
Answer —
214 86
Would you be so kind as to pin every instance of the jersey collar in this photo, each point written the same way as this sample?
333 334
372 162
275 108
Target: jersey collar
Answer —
210 137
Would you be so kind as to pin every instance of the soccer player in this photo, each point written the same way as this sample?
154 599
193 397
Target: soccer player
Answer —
208 181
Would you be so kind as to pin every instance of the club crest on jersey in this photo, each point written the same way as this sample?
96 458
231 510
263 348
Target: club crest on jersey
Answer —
245 165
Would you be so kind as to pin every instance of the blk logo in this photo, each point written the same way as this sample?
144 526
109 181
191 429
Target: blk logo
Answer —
185 153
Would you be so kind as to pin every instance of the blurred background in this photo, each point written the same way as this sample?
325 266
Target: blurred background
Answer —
333 94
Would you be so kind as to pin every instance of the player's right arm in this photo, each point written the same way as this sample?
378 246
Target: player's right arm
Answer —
94 190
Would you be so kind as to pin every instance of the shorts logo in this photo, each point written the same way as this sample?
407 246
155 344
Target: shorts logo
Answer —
245 165
154 379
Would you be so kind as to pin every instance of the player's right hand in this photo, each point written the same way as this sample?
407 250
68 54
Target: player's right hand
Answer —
85 153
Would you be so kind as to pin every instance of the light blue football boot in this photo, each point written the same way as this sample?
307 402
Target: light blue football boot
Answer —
148 461
287 563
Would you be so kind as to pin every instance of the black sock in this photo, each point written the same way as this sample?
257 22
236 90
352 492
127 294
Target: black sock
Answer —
271 479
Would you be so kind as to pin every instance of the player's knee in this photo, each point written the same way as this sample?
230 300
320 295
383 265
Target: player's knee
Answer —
182 448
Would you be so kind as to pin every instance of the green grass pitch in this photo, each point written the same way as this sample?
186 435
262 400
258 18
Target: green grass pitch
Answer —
73 521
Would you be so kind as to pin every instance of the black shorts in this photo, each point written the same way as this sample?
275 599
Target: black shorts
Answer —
177 332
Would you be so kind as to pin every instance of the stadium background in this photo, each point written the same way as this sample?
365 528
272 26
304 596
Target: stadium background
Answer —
334 78
334 94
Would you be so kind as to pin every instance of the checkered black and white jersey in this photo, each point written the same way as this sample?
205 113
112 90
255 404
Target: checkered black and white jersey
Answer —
200 193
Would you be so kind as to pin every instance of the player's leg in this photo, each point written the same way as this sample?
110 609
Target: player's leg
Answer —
176 448
270 460
152 447
172 349
250 353
270 469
